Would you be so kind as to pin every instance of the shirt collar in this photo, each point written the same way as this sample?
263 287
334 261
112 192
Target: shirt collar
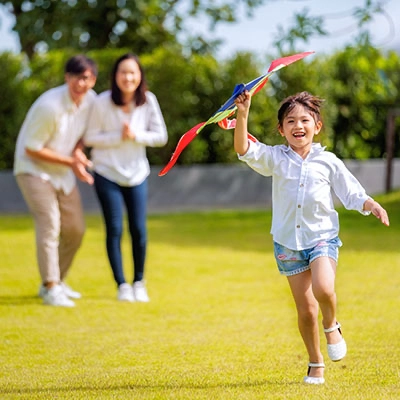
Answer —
71 106
316 149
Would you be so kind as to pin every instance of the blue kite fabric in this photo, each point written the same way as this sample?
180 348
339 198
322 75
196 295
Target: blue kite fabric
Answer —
221 116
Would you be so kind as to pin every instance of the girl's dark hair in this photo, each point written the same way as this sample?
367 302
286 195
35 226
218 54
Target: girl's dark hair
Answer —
311 103
140 94
78 64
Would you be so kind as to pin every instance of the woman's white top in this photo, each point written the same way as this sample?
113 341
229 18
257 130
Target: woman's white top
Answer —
303 207
124 161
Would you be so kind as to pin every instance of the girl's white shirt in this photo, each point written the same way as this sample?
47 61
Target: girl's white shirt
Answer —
303 212
124 161
54 122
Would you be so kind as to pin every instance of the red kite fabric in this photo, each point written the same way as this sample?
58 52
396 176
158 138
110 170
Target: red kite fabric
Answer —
221 116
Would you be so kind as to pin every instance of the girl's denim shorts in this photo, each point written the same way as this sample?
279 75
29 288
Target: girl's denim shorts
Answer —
292 262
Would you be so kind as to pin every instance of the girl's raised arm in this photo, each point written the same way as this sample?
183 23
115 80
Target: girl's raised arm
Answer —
241 143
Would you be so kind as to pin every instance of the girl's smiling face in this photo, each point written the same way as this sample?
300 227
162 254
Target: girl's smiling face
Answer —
299 128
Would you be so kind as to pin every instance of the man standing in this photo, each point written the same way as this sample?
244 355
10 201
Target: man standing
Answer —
48 156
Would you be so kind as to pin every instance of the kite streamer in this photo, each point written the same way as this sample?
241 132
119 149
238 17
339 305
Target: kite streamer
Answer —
221 116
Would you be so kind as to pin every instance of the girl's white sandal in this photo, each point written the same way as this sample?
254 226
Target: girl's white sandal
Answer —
312 380
338 350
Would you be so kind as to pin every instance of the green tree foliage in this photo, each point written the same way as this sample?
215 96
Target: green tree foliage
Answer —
140 24
363 94
360 85
14 100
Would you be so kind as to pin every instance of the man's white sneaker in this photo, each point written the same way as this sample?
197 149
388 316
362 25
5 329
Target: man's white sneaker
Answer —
125 292
72 294
42 291
140 292
56 297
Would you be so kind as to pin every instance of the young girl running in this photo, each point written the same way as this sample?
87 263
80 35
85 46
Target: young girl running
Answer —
305 225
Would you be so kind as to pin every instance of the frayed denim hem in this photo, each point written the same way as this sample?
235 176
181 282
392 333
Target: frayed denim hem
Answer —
295 272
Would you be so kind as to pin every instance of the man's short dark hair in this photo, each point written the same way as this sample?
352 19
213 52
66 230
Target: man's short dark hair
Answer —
78 64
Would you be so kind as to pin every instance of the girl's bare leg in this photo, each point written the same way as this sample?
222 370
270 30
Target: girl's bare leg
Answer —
307 312
323 272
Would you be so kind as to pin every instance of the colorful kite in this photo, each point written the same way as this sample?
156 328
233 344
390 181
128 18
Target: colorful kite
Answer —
229 107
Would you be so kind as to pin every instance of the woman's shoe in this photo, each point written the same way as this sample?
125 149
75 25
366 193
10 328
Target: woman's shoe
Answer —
140 292
338 350
125 293
312 380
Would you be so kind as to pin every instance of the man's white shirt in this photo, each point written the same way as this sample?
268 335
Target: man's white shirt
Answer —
55 122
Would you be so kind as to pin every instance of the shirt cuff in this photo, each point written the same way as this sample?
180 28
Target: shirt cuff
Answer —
364 199
249 152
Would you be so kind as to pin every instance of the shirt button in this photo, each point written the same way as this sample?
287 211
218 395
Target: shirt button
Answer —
298 226
299 206
301 185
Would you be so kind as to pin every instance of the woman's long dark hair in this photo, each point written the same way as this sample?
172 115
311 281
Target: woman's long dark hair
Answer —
140 94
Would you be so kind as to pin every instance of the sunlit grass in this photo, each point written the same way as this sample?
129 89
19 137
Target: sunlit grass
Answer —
221 322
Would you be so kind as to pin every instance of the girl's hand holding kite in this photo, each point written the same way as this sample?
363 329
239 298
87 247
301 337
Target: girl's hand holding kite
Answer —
241 143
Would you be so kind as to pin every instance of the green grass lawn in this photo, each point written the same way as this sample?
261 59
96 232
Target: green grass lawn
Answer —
221 323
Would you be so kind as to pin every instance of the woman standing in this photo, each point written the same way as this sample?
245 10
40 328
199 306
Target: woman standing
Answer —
123 122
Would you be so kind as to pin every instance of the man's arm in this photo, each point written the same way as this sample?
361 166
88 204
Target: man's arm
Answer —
77 161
